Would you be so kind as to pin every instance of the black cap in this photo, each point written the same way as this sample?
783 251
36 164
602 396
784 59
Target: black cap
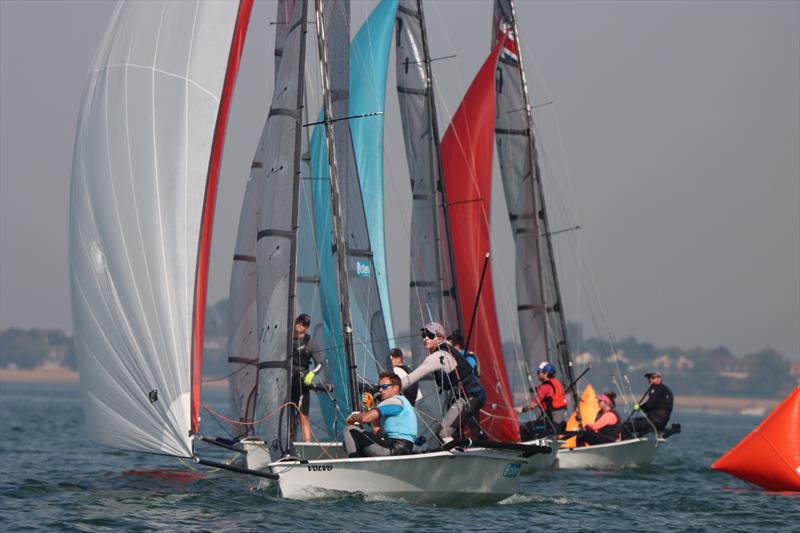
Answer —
651 374
304 319
396 352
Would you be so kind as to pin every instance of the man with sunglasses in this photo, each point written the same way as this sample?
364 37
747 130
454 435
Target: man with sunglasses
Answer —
452 374
394 424
304 370
656 407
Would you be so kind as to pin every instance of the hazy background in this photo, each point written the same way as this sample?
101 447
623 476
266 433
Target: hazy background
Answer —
672 139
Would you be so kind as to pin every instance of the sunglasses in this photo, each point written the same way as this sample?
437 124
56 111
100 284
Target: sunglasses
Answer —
428 335
384 386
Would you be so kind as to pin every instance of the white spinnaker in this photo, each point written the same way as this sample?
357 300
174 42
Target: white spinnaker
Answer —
141 160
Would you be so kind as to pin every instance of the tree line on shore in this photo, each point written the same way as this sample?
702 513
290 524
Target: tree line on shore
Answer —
696 371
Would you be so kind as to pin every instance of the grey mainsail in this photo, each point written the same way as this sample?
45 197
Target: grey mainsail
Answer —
277 238
540 311
432 285
242 314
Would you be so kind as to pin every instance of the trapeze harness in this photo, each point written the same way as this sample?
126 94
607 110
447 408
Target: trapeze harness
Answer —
462 377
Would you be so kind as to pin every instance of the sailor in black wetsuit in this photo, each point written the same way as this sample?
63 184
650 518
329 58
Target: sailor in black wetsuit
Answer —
656 407
304 369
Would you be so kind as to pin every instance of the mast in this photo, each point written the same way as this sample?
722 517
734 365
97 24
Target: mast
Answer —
533 214
433 282
451 291
339 245
562 346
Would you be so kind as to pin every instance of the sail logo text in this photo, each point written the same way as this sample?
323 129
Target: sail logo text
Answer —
320 468
362 269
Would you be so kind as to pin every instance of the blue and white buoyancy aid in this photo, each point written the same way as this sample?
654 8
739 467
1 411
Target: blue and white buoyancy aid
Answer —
398 419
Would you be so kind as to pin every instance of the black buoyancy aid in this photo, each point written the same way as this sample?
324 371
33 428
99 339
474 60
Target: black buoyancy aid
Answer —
300 358
612 431
411 392
462 374
559 398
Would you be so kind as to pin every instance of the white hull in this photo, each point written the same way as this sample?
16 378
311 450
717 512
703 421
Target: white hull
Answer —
541 461
442 478
633 452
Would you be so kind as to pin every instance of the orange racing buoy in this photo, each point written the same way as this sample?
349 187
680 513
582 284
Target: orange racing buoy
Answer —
770 455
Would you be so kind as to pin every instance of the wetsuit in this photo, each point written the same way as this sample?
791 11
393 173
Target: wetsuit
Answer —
657 407
303 352
398 431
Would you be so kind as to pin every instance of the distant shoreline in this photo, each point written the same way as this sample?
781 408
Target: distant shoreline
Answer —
695 403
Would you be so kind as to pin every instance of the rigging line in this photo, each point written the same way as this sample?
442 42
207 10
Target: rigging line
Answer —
362 115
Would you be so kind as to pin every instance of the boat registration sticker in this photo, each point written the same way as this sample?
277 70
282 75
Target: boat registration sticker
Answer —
512 470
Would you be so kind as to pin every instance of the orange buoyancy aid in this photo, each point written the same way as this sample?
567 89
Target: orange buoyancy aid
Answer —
559 398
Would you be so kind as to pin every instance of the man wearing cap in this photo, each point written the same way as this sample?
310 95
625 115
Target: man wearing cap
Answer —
551 403
656 407
412 393
454 374
304 369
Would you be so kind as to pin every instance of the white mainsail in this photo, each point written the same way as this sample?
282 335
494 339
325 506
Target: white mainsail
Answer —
144 142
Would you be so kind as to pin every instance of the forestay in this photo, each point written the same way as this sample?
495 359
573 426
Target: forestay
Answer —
146 160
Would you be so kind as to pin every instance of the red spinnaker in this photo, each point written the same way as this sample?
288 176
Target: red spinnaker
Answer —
207 220
467 161
770 455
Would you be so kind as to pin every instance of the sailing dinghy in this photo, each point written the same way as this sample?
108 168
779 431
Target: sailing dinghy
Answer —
145 173
421 477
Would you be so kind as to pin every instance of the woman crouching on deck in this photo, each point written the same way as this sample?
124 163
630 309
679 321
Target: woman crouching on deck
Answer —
606 427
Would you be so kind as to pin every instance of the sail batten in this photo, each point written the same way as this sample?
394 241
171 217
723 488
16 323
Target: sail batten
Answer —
276 244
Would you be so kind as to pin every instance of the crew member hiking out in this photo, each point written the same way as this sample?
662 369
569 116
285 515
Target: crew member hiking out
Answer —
656 407
304 370
394 424
452 374
607 426
550 404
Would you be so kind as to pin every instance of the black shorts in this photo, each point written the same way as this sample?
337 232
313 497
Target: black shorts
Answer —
301 396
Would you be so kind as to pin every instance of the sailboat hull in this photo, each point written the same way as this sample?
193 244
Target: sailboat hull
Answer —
541 461
633 452
453 477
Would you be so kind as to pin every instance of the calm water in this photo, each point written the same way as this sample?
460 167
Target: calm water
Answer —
53 478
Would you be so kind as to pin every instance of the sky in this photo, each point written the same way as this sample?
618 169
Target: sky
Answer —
670 133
